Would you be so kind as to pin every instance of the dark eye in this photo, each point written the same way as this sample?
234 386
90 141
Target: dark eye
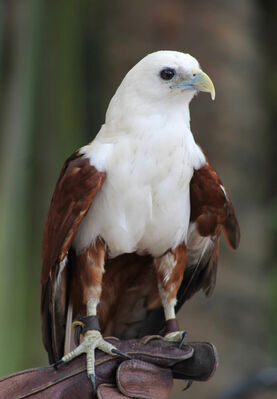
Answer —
167 73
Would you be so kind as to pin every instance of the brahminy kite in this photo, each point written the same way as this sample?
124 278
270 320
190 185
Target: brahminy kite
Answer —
134 224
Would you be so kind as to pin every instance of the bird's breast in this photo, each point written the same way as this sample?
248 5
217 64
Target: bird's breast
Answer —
143 205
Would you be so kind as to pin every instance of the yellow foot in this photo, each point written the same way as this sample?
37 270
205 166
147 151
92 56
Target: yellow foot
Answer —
92 340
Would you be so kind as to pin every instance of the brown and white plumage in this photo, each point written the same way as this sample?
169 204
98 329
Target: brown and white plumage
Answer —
141 202
130 305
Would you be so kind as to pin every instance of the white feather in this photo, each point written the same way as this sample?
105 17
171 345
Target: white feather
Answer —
197 245
61 268
69 340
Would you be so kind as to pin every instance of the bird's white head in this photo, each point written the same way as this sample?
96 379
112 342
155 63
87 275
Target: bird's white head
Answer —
159 80
169 73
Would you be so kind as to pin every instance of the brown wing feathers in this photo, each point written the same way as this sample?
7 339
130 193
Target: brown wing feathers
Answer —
211 206
231 227
78 184
75 190
211 211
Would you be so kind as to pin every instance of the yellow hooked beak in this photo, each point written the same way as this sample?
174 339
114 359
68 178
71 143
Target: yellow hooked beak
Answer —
199 81
202 82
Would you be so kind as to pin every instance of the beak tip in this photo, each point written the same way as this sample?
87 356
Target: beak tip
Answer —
204 83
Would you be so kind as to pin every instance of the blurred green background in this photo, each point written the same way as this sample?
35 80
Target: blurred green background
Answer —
60 63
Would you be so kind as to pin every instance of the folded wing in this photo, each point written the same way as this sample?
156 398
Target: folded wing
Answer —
211 213
78 184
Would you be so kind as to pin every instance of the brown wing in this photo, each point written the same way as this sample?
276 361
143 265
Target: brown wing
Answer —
211 213
78 184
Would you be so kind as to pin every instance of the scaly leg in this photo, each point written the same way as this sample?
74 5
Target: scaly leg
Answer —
170 269
90 269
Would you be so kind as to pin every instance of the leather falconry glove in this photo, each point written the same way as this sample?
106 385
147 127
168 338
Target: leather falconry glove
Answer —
149 374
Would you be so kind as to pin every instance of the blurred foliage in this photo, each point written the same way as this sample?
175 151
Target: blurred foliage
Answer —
42 122
269 9
60 62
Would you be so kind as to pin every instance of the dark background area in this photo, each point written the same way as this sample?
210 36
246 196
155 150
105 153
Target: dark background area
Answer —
60 63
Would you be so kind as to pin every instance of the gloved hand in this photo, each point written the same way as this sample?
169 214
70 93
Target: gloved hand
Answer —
149 374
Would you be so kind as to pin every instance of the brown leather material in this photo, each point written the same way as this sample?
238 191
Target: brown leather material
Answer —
199 367
83 324
105 391
87 323
46 382
171 325
196 361
157 381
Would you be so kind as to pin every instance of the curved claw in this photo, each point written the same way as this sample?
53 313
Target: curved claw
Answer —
189 384
183 339
77 334
93 340
93 382
57 364
122 354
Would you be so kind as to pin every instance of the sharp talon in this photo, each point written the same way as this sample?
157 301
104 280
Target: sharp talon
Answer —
183 339
77 333
93 382
122 354
57 364
189 384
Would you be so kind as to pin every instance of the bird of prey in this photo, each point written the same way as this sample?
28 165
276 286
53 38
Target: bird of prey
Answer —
135 219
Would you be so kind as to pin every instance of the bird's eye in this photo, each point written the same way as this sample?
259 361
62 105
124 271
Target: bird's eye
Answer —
167 73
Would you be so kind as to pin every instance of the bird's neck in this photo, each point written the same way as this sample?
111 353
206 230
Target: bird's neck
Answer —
128 117
148 126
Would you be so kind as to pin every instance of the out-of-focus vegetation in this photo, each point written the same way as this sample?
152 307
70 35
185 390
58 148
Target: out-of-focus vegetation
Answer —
60 63
270 45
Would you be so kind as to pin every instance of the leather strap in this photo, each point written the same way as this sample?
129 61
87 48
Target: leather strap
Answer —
86 322
83 324
171 325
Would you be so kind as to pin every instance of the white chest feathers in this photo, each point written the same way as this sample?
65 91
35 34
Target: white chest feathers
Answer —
144 203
